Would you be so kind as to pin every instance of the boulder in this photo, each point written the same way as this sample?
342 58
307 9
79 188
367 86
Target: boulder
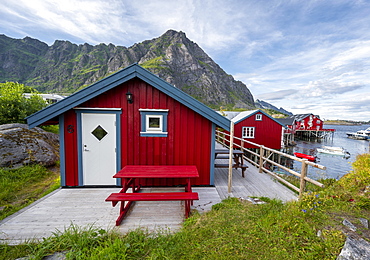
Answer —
355 249
21 146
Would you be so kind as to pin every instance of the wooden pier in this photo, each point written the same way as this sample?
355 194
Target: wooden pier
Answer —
314 134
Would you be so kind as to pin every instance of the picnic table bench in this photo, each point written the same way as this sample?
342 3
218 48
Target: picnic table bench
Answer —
130 173
237 157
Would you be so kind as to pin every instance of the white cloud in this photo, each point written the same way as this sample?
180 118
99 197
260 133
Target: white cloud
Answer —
277 95
299 54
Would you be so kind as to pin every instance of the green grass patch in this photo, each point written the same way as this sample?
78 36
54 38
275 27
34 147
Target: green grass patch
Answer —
156 63
51 128
20 187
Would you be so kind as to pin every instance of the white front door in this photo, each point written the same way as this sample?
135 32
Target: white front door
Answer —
98 148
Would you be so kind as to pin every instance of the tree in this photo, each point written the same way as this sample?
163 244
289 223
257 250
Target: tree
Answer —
14 106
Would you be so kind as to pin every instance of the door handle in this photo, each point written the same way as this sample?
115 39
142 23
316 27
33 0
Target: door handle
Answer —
85 149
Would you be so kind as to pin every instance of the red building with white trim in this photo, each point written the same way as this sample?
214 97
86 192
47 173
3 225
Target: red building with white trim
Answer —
131 117
258 127
307 122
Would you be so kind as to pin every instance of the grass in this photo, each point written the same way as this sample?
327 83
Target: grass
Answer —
20 187
234 229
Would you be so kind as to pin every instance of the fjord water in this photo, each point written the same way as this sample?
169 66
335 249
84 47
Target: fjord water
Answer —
336 166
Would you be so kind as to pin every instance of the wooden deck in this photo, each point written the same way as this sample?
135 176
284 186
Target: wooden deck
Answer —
254 184
87 206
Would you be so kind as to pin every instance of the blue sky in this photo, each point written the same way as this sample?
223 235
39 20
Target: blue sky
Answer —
305 56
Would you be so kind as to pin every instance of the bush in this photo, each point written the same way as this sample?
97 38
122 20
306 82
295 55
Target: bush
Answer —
14 106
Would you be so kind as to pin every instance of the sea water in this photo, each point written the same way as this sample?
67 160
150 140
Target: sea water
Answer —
336 165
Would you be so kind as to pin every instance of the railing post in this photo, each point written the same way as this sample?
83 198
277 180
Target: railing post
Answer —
261 158
231 158
242 148
302 185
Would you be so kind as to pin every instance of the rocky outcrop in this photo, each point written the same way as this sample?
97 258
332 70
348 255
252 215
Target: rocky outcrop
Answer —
65 67
356 247
21 146
185 65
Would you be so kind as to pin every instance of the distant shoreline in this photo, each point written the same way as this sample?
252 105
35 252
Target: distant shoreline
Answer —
344 123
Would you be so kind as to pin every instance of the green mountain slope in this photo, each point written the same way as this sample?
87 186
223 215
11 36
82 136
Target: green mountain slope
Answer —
65 67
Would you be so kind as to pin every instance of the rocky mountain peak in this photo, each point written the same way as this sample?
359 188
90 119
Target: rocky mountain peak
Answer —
67 67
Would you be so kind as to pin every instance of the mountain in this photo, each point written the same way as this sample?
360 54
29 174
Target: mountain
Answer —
265 105
65 67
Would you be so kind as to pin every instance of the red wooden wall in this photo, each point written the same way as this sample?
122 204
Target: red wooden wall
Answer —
267 132
317 123
70 148
188 141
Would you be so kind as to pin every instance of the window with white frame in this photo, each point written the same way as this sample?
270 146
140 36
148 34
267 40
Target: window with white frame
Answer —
258 117
153 122
248 132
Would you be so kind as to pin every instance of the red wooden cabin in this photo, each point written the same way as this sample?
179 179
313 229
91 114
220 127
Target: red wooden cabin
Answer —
307 122
131 117
258 127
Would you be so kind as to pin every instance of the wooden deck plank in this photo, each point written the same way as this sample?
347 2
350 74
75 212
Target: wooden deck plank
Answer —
254 184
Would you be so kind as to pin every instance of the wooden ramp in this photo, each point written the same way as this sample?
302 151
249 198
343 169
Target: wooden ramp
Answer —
254 184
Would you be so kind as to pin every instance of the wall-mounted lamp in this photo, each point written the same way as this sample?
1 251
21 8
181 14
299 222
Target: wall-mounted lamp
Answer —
129 97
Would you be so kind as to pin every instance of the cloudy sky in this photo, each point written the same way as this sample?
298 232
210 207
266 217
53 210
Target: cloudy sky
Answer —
310 56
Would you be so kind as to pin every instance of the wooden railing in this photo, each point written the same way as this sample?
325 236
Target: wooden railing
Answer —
264 155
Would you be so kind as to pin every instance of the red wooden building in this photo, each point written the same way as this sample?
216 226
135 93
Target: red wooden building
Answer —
308 126
307 122
131 117
258 127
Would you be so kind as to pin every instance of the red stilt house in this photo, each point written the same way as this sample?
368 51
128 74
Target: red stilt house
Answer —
258 127
307 122
131 117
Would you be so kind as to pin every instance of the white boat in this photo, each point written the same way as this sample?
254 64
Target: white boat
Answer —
333 150
360 135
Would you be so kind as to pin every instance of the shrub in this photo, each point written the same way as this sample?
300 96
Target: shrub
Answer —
14 106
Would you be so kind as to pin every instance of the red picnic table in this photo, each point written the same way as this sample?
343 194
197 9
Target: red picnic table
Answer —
131 173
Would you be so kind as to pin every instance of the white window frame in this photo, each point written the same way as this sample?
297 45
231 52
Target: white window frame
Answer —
258 117
154 129
248 132
146 115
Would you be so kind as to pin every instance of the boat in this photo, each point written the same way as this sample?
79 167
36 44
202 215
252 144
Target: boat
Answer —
360 135
305 156
333 150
